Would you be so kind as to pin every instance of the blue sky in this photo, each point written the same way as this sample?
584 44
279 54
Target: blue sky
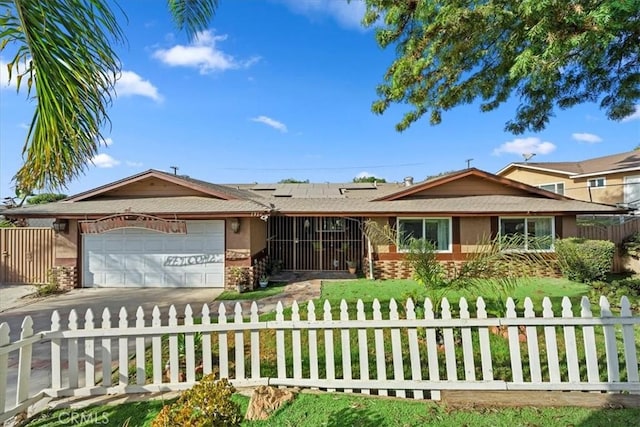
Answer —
283 88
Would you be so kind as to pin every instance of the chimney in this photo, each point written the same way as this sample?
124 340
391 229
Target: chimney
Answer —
408 181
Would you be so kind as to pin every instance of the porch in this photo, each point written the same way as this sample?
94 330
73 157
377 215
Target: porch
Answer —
320 244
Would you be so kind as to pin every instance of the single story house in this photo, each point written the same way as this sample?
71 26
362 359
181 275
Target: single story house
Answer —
613 179
164 230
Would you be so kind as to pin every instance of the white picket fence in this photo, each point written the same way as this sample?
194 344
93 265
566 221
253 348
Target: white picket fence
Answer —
412 352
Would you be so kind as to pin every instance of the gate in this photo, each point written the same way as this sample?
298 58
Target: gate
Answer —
26 255
315 243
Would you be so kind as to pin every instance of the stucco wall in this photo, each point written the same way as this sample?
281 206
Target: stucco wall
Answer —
577 188
66 246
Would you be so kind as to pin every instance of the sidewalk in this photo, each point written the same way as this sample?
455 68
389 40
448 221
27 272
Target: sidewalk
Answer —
302 291
12 296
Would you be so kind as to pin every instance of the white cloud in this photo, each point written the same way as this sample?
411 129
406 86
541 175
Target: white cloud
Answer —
106 142
634 116
202 54
525 145
271 122
347 14
133 164
586 137
4 77
104 161
131 84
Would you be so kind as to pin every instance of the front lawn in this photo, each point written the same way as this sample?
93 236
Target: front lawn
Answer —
333 409
384 290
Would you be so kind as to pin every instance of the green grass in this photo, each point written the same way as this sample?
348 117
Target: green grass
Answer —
332 409
384 290
131 414
256 294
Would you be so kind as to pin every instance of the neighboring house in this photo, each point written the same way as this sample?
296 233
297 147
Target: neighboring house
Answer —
159 229
613 179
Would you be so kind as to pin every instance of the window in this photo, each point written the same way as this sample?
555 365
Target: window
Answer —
435 230
528 234
556 187
331 224
597 182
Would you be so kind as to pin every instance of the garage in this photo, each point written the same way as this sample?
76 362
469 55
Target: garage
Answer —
138 257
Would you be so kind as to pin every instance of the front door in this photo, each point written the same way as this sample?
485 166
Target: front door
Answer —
315 243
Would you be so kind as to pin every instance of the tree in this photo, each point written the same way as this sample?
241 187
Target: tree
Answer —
39 199
368 179
64 51
293 181
551 54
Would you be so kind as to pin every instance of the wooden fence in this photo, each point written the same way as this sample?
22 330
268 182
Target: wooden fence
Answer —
615 233
26 254
409 351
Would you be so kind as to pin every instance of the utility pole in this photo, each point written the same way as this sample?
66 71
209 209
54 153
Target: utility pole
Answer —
175 169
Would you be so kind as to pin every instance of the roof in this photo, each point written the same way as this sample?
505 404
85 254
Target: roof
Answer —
322 199
615 163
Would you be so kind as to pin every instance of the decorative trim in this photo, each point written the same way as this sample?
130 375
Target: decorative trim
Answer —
133 220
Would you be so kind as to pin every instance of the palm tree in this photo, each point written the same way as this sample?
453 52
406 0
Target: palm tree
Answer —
64 50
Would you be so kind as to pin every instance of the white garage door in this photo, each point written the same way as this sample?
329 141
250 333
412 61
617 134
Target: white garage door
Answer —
131 257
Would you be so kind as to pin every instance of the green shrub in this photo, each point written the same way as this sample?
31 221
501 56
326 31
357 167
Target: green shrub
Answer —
50 288
631 245
629 287
207 403
584 260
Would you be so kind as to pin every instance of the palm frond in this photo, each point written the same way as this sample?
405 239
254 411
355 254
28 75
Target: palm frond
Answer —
65 49
192 15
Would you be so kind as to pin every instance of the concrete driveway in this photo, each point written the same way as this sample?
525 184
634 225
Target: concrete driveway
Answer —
97 299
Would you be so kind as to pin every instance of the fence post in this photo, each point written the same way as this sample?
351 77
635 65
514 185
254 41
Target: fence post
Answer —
396 347
206 341
255 343
140 349
613 368
189 345
432 349
156 346
629 341
590 352
123 350
4 360
514 343
56 374
328 345
296 342
239 344
174 359
89 352
378 335
72 343
467 343
363 350
485 342
414 350
24 363
551 342
313 342
107 357
532 343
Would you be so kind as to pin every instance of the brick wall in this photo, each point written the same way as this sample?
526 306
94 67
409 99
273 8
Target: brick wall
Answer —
398 269
66 276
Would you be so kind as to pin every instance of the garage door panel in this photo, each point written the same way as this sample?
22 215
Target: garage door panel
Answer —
145 258
133 278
